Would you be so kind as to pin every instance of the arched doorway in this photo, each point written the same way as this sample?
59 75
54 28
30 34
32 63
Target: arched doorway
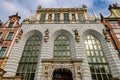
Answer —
62 74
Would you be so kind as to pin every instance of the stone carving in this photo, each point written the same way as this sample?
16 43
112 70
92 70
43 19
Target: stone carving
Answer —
116 5
78 68
19 35
49 17
84 6
46 67
39 7
106 34
73 17
77 37
46 37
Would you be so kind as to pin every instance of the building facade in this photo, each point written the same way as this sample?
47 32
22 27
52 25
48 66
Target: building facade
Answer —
62 44
112 26
8 33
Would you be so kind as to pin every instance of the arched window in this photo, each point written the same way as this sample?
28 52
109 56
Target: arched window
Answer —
62 48
28 63
98 65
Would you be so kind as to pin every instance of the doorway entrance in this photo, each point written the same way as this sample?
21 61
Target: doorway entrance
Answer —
62 74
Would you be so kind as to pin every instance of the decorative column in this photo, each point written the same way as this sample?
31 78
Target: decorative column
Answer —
62 17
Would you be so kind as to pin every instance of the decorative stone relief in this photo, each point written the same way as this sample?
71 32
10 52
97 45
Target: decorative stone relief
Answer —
78 71
73 17
106 34
46 37
19 35
49 17
77 37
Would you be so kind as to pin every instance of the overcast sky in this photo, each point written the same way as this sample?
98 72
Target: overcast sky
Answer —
23 7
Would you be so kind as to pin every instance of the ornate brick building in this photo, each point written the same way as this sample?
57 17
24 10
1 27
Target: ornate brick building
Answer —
62 44
112 26
8 33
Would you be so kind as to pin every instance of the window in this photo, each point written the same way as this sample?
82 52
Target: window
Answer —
62 48
118 36
57 17
10 35
66 18
28 63
42 19
1 39
0 34
80 17
2 51
10 25
98 65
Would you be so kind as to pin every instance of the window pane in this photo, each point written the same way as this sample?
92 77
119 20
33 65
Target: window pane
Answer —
27 65
2 51
10 25
96 58
0 33
42 19
10 35
62 48
57 17
80 16
66 18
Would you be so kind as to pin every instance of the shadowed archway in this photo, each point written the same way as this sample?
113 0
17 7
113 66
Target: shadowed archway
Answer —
62 74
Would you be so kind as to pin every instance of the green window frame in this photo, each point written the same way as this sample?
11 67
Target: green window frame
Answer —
62 49
28 63
97 62
80 17
42 18
10 25
10 35
57 18
66 18
2 51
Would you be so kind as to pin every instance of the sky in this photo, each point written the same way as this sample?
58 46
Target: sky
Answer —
23 7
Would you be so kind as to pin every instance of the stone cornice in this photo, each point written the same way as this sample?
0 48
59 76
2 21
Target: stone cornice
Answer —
62 10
